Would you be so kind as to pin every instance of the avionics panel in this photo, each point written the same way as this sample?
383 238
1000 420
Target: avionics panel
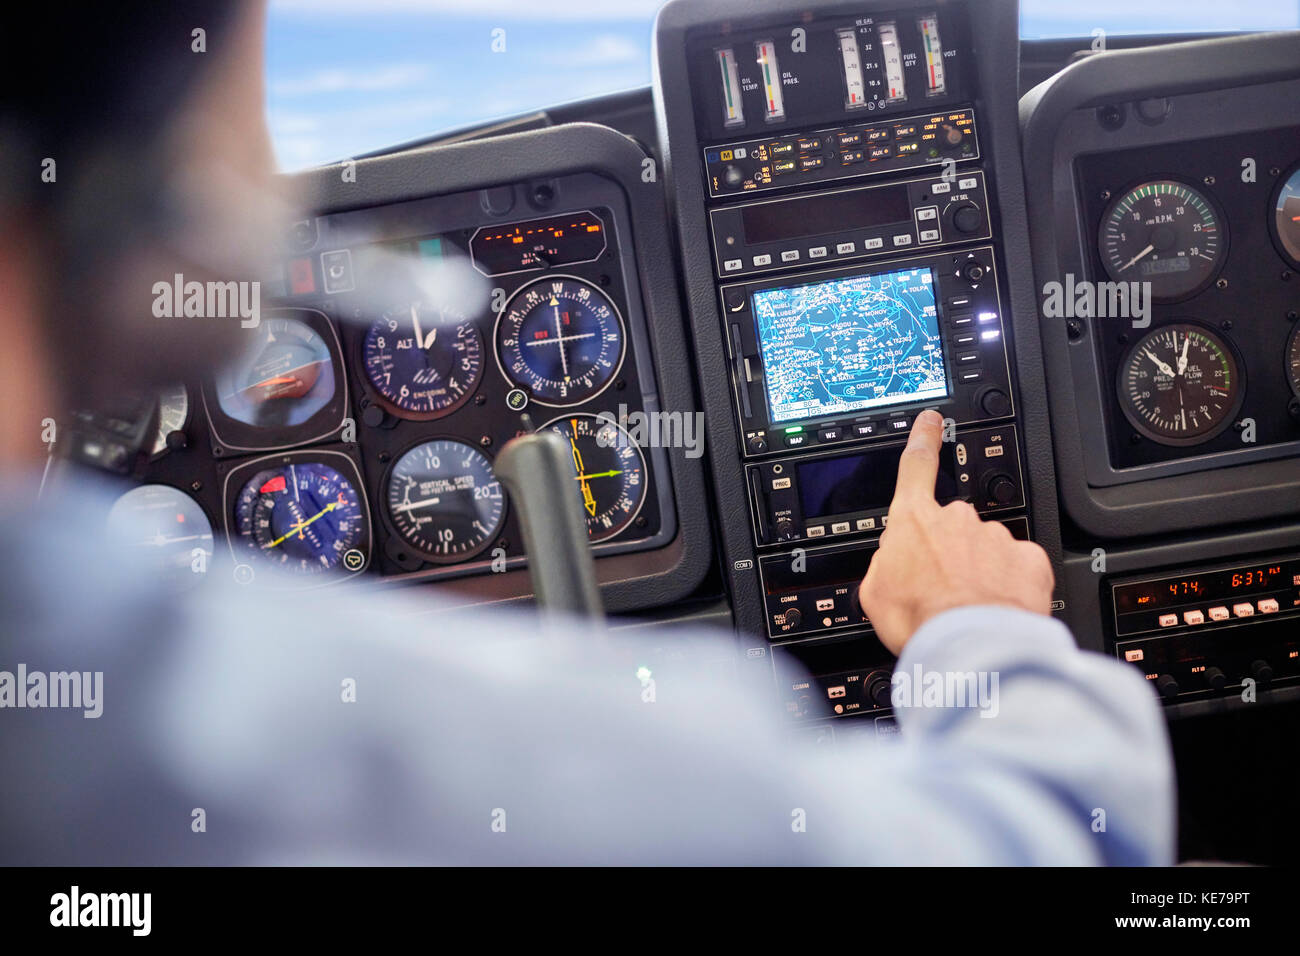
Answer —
851 354
846 493
1199 631
841 152
843 225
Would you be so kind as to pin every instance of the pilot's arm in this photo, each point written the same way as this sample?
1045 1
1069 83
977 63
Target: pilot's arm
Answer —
1062 757
353 726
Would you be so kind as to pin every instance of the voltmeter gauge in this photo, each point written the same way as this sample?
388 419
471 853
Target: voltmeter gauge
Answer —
1166 233
1180 385
935 85
773 99
855 95
892 55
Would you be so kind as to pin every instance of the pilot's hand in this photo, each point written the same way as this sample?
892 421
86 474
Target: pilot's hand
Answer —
934 558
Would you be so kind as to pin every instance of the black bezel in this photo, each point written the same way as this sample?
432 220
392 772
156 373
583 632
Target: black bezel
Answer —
1239 397
396 538
338 459
524 386
397 411
233 437
1293 172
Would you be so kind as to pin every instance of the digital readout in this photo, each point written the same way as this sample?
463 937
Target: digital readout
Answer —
1199 588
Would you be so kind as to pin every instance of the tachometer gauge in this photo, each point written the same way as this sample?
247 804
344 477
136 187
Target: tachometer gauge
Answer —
1286 218
424 362
1180 385
608 472
303 517
284 377
444 501
1165 233
167 529
173 411
560 339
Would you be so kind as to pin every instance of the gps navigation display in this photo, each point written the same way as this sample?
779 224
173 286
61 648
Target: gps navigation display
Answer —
843 345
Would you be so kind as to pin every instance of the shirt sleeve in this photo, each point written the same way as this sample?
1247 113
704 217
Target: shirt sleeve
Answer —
1020 748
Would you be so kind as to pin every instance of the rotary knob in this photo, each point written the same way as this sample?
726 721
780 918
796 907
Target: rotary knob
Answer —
793 617
1216 679
967 218
878 689
1167 686
1001 489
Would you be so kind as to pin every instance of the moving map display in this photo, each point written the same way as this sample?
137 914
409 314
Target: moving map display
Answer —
843 345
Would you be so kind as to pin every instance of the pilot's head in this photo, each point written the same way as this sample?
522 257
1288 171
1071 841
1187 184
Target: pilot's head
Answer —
135 149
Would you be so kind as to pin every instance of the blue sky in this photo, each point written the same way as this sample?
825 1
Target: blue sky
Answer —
348 76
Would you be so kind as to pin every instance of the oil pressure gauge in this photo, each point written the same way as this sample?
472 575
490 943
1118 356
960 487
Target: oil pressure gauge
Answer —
1180 385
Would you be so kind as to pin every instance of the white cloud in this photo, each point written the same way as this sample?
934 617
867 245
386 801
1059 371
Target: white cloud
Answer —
603 50
334 80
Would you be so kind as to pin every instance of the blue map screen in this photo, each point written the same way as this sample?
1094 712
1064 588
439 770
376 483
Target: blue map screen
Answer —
848 344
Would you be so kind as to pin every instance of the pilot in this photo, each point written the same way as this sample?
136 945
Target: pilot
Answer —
235 724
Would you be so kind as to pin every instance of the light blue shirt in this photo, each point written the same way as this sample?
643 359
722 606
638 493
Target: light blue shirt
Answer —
480 736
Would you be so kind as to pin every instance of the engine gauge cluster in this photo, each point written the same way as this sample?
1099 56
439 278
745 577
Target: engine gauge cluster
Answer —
1207 359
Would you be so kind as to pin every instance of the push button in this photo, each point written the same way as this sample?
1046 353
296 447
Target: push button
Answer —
831 434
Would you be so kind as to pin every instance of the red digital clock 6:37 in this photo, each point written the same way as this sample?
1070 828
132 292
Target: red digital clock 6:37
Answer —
1257 578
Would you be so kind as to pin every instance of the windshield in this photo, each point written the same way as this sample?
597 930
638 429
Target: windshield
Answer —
345 78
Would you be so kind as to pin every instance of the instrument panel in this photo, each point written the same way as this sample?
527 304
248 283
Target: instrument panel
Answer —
1209 363
400 347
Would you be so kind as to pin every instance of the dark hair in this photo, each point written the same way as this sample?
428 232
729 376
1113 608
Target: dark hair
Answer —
98 99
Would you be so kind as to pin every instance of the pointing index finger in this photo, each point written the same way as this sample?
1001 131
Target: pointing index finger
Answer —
918 467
